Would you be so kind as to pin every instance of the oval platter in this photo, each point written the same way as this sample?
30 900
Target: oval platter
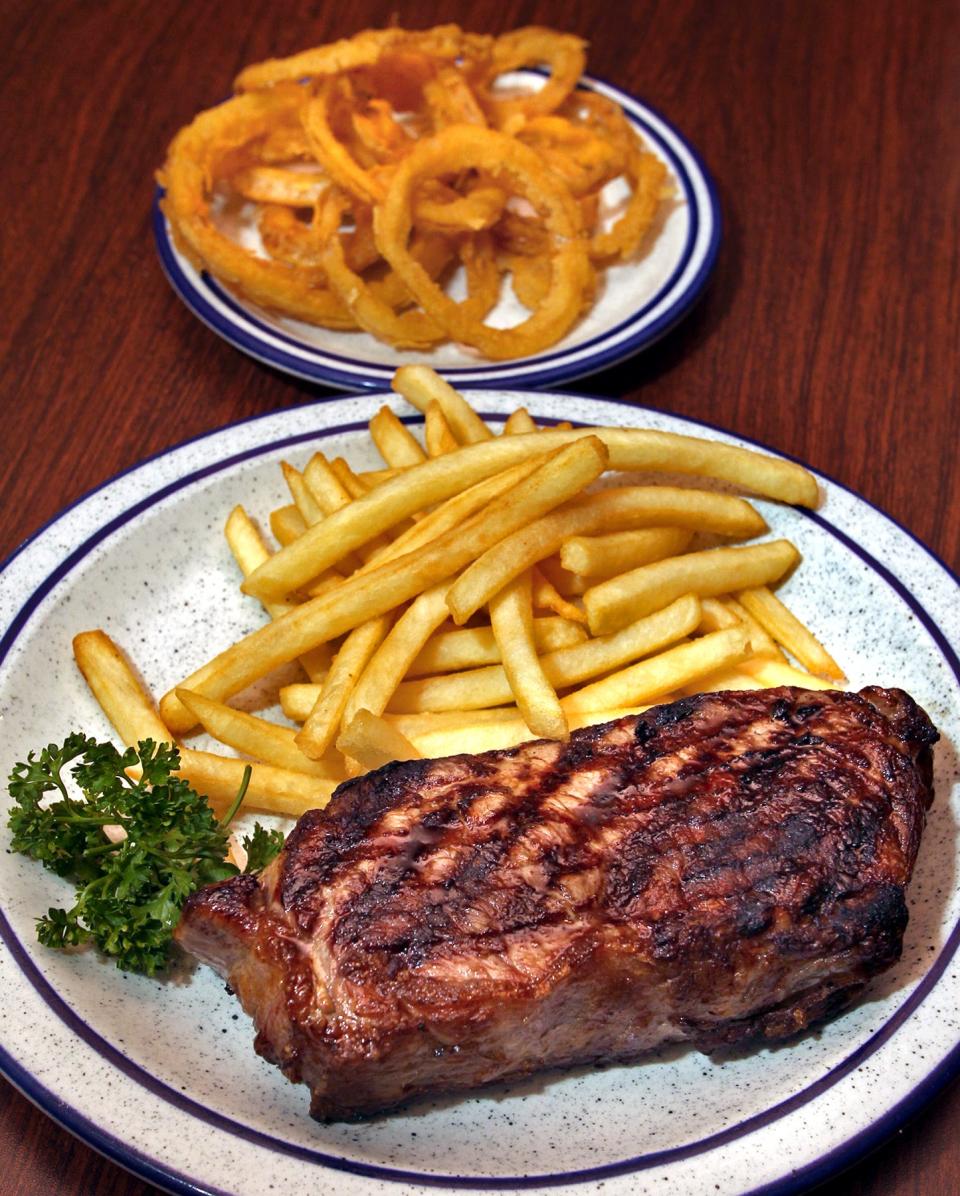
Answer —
162 1076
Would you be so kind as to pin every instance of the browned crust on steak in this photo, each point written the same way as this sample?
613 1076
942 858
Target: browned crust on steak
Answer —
724 868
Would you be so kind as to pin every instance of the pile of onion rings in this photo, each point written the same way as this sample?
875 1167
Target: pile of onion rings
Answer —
378 168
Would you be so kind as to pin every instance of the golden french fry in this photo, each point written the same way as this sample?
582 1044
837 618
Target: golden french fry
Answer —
349 480
271 789
489 686
761 641
787 630
369 595
320 729
716 571
257 737
723 679
117 689
658 675
491 734
422 386
325 486
439 439
472 647
519 422
333 485
249 551
436 480
609 509
600 557
388 665
546 596
511 617
570 585
373 742
454 512
287 525
716 616
300 492
394 440
298 699
376 477
772 673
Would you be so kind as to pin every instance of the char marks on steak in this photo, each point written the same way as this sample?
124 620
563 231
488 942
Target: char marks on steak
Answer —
727 867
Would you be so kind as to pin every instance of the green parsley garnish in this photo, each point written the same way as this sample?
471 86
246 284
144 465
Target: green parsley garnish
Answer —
130 892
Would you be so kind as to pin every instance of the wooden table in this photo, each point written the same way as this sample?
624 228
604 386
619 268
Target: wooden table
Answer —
830 330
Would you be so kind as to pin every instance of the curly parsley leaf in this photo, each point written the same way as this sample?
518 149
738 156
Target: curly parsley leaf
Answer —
132 879
261 846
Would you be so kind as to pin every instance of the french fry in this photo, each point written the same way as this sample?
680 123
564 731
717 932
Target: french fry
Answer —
787 630
570 585
421 386
600 557
650 679
771 673
473 647
376 477
617 508
437 434
762 642
612 603
436 480
117 689
298 699
394 440
486 735
330 486
388 665
489 686
287 525
511 616
273 790
546 596
326 487
519 422
257 737
372 742
320 729
303 499
351 483
723 679
454 512
249 551
715 615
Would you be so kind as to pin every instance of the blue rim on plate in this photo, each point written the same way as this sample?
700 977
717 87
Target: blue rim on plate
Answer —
278 345
156 1171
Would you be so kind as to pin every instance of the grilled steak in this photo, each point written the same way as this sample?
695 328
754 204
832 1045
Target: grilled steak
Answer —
727 867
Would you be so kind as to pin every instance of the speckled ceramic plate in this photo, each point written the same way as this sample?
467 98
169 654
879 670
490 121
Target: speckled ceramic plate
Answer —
162 1077
638 301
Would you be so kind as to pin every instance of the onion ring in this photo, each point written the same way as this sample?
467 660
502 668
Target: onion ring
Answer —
461 147
534 45
189 175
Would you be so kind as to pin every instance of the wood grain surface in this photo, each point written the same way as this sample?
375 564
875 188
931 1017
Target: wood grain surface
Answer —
830 329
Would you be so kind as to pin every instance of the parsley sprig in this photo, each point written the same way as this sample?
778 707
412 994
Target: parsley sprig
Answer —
130 892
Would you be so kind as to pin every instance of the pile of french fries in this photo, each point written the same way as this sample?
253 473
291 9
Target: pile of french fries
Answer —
479 591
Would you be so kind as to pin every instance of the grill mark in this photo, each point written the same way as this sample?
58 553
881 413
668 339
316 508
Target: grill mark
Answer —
517 907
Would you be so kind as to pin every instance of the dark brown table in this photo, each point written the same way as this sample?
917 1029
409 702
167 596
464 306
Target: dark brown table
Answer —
830 329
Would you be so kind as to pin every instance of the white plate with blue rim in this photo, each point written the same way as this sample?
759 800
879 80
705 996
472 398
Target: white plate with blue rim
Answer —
639 300
162 1076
